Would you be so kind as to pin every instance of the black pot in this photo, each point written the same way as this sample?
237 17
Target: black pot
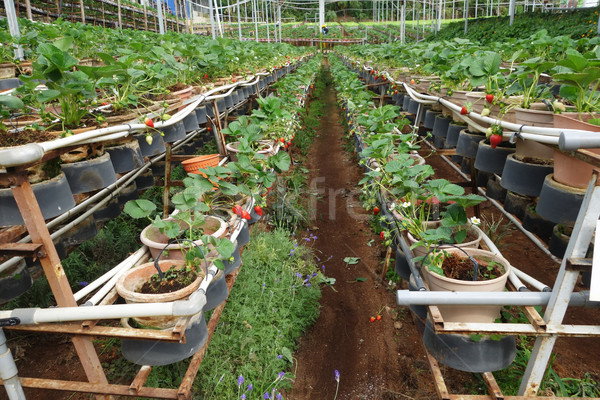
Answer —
190 123
429 119
524 178
452 134
534 223
157 147
492 160
173 133
516 204
468 143
495 191
559 203
231 266
125 157
440 126
201 114
89 175
217 292
15 282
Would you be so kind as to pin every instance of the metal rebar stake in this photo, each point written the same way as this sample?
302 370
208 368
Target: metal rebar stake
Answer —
8 371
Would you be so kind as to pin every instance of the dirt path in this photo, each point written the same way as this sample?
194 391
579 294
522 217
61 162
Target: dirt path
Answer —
376 360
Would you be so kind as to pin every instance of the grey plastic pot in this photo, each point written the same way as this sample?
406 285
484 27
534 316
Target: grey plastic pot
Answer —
201 114
495 191
254 217
54 197
440 125
157 147
492 160
190 123
14 282
535 223
516 204
145 180
406 102
523 177
452 134
156 353
111 210
468 143
228 102
130 192
401 266
217 292
10 83
231 266
559 203
125 157
429 118
462 353
244 235
89 175
173 133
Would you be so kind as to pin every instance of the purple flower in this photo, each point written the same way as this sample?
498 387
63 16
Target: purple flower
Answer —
280 356
266 396
298 275
250 387
82 283
292 252
278 396
240 380
280 375
308 284
295 244
313 274
337 376
323 267
243 397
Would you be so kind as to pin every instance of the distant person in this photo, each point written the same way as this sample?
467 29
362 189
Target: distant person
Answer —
324 29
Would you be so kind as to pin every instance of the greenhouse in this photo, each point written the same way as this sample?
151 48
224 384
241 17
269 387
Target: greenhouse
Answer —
300 199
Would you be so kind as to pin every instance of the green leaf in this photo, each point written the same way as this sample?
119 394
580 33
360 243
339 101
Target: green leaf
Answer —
351 260
361 279
287 353
281 161
139 208
11 102
47 95
228 188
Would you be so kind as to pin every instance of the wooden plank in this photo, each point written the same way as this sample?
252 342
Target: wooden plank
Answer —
12 233
96 388
99 330
440 385
492 385
140 379
22 249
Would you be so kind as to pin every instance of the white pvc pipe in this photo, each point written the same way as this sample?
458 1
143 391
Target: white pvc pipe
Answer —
406 298
125 264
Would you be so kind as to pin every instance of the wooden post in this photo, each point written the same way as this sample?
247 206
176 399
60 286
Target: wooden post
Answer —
145 17
176 2
28 8
36 226
103 16
167 183
82 11
119 14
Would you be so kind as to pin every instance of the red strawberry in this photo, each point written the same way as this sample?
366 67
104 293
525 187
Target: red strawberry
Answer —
237 209
208 128
376 210
495 140
289 143
489 98
258 210
245 215
372 319
378 317
233 80
382 234
149 123
282 140
205 76
104 103
464 111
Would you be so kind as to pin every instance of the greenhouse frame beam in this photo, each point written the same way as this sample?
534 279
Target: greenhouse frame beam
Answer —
13 25
161 26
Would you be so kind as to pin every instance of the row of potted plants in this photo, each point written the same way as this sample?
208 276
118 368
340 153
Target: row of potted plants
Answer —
429 214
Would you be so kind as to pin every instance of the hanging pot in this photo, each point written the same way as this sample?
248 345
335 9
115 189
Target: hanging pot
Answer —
157 147
559 203
422 250
217 292
525 175
173 133
190 122
89 175
231 266
440 126
492 160
54 197
468 143
125 157
14 282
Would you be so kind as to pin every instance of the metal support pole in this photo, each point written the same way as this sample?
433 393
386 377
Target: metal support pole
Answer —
439 23
476 7
280 22
82 12
161 26
511 11
8 371
266 11
255 16
212 20
28 8
403 24
563 288
321 21
218 19
13 25
119 14
466 14
239 21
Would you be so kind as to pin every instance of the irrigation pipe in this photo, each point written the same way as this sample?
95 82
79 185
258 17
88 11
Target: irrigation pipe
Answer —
125 264
408 298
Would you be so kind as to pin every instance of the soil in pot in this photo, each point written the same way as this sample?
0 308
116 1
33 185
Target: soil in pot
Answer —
175 278
462 268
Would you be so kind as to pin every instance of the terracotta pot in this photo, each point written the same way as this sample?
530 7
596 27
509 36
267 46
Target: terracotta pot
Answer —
537 115
192 165
130 283
533 149
487 314
568 170
7 70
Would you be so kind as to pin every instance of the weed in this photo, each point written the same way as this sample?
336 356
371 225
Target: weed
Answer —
495 230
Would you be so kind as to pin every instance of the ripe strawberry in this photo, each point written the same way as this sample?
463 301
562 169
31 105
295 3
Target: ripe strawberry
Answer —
208 128
104 103
289 143
495 140
149 140
258 210
412 81
205 76
489 98
372 319
464 111
376 210
382 234
246 215
282 140
233 80
237 209
149 123
378 317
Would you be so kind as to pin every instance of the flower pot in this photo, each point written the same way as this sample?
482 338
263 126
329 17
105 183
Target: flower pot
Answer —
9 83
125 157
54 197
7 70
492 160
453 134
156 353
156 241
429 119
157 147
14 282
485 314
533 150
145 180
192 165
201 114
568 170
231 266
440 126
422 250
468 143
130 283
537 115
190 122
266 148
217 292
244 235
525 175
559 203
89 175
495 191
536 224
173 133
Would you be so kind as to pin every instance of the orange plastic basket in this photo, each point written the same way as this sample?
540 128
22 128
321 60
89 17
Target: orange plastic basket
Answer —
194 164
